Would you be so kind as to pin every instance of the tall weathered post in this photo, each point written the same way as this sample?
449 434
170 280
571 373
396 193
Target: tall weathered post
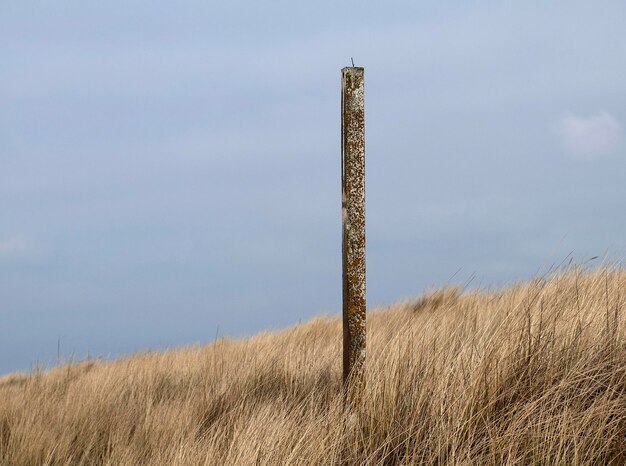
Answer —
353 219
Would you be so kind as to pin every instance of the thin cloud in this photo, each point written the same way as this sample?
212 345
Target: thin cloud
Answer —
12 247
591 136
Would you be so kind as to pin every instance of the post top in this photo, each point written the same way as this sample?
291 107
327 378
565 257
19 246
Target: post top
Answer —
353 69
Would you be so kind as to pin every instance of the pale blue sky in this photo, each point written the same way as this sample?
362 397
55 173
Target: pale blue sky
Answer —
170 167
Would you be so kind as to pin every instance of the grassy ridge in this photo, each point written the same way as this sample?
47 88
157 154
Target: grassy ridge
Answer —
534 374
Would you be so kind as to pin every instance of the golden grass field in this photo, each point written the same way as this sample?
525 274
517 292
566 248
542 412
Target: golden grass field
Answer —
532 374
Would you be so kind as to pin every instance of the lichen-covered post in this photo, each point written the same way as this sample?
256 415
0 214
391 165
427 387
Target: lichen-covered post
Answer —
353 219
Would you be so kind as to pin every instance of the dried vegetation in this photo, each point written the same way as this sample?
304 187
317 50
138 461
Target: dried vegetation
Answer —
533 374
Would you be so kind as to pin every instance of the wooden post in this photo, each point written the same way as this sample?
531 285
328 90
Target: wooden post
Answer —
353 220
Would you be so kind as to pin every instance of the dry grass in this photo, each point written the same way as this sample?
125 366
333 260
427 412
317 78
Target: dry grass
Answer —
535 374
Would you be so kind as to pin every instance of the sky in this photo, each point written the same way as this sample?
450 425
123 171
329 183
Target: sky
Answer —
170 171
